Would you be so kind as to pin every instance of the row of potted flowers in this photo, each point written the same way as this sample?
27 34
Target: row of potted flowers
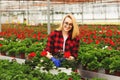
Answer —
29 48
16 71
11 70
20 48
104 35
93 52
91 56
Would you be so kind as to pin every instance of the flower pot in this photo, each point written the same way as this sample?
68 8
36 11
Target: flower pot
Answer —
12 56
117 73
4 54
82 78
107 71
84 67
22 55
96 70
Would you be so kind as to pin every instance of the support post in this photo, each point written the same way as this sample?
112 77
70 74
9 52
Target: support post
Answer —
48 16
0 16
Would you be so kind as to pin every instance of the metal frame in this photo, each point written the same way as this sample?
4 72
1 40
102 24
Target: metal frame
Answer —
64 7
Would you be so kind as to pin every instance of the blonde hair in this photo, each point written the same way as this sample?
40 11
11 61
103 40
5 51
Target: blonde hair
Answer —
75 31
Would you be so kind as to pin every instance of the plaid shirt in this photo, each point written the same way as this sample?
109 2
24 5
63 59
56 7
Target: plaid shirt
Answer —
56 40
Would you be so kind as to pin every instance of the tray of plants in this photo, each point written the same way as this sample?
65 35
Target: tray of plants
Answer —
53 71
13 59
91 74
57 70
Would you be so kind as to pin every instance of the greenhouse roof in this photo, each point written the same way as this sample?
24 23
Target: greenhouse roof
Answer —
23 4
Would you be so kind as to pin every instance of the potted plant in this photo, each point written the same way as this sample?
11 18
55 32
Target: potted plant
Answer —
30 49
94 65
3 49
86 58
27 42
21 51
115 65
45 64
105 64
30 60
12 52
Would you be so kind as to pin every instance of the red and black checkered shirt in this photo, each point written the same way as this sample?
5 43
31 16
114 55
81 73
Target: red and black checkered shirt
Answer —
55 43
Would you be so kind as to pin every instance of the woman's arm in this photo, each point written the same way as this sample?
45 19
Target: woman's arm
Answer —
50 43
75 49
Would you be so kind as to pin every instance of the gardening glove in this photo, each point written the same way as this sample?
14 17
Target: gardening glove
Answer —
56 62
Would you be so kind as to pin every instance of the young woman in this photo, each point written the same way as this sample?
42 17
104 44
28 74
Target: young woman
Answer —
63 41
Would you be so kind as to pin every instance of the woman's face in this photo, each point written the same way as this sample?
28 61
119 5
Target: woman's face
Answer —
67 24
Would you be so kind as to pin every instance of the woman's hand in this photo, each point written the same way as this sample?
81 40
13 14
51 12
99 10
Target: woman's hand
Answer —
70 58
49 56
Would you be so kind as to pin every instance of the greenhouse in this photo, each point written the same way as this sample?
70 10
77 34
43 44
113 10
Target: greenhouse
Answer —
60 39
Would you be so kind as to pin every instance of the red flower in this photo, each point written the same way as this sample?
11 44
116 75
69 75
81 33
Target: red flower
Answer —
69 78
97 42
109 33
94 36
118 32
67 54
0 45
76 71
38 38
43 53
112 43
84 40
34 36
89 41
32 54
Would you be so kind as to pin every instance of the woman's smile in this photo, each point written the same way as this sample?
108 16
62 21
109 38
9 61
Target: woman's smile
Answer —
67 24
